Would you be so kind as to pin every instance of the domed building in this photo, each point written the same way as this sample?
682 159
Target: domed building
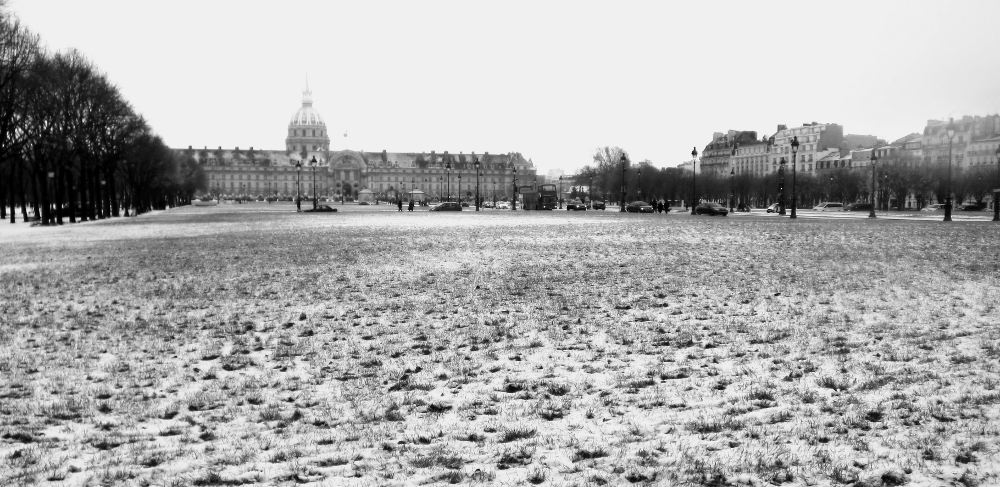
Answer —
306 130
344 173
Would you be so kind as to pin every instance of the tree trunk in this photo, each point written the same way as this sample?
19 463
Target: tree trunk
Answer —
70 186
11 190
58 196
34 198
112 196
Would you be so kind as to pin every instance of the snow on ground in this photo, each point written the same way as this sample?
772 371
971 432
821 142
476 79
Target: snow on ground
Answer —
245 344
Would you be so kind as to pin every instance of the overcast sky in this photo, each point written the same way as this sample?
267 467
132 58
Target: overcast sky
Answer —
552 80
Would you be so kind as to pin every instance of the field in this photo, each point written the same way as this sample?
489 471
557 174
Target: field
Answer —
237 345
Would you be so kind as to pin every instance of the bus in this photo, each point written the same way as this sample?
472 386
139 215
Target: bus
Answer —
546 197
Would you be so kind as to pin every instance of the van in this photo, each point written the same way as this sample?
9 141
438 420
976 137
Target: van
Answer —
829 207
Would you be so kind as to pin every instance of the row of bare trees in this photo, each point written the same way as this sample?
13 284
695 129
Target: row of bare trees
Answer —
71 147
897 179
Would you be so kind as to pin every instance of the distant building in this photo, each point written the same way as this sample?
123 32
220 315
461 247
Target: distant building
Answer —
346 172
752 158
816 142
854 141
715 157
975 141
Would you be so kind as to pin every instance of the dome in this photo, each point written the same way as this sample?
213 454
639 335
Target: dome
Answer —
307 115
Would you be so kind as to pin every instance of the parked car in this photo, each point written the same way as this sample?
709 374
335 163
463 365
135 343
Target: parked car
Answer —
858 207
363 203
711 209
447 206
934 207
465 204
829 207
597 205
774 208
576 206
971 207
503 205
639 207
321 209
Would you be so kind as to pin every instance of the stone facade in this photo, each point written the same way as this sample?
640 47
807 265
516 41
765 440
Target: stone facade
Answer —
346 173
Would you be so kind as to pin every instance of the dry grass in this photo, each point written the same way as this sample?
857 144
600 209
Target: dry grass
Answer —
217 347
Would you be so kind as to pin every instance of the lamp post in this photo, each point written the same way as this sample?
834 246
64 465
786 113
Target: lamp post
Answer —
49 219
795 150
298 185
947 197
513 193
494 193
413 182
694 172
534 187
312 162
458 197
447 171
590 192
996 191
476 163
781 187
638 183
871 214
732 173
621 207
560 191
104 194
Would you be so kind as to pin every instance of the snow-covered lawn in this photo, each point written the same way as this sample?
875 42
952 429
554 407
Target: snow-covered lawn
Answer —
243 344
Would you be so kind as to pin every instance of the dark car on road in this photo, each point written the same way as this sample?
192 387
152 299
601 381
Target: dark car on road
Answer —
597 205
971 207
639 207
321 209
711 209
858 207
447 206
576 206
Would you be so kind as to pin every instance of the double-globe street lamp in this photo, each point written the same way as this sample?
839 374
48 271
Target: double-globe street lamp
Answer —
947 196
447 170
560 191
871 214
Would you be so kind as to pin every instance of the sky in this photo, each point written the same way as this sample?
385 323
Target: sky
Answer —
553 80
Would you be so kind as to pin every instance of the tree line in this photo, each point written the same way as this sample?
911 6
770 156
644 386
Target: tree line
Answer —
897 178
71 147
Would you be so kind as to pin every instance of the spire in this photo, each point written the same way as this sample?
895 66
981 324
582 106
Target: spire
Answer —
307 99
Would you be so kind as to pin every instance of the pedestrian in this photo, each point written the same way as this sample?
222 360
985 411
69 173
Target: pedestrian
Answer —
411 205
399 203
659 206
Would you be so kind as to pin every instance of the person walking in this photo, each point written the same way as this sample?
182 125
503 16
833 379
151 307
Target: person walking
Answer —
659 206
399 203
411 205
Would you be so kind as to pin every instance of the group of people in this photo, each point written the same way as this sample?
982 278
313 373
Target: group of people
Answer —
399 204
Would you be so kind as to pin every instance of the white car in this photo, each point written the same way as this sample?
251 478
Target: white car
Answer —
934 207
829 207
503 205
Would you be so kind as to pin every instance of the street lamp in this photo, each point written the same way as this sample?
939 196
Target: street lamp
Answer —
694 172
795 149
447 171
476 163
459 195
947 197
781 187
298 186
560 191
513 206
49 219
732 173
871 214
413 183
104 194
312 162
996 191
590 192
638 183
621 207
534 187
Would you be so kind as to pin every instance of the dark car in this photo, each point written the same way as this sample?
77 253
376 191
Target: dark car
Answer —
970 207
597 205
447 206
465 204
320 209
639 207
576 206
858 207
711 209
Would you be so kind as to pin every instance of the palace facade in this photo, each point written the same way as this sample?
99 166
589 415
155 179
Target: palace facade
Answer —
307 165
